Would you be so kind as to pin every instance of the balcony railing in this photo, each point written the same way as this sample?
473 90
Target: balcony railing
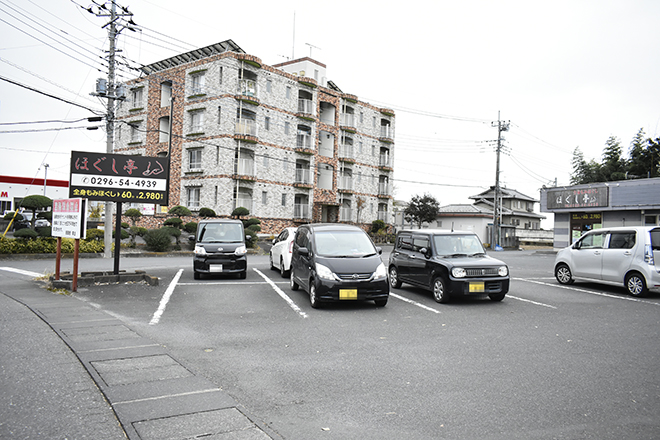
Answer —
346 152
245 167
302 175
247 87
346 183
345 214
244 202
384 189
382 215
306 106
347 120
301 210
246 127
386 132
304 140
384 160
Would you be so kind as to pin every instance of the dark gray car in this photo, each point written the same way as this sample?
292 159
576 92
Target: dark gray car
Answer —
220 248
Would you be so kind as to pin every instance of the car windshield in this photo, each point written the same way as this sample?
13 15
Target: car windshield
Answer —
458 245
220 232
343 244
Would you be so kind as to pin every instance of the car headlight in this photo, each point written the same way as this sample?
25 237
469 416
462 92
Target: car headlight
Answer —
503 271
381 272
458 272
240 251
199 250
323 272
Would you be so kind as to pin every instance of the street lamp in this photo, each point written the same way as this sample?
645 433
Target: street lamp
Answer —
45 176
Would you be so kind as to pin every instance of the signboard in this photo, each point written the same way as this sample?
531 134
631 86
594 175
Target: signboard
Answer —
578 198
69 219
119 178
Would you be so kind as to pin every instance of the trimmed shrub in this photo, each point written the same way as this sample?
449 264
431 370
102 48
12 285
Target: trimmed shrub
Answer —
174 222
206 212
26 234
44 231
94 235
239 212
158 240
190 227
137 231
124 234
180 211
377 225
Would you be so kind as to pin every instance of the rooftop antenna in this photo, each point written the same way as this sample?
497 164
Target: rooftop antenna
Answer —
310 48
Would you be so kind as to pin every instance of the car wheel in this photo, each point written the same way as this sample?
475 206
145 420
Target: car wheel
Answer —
196 275
272 266
283 272
381 302
313 300
636 284
395 282
563 274
497 296
294 285
440 293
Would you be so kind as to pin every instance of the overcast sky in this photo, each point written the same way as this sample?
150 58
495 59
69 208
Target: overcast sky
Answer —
566 74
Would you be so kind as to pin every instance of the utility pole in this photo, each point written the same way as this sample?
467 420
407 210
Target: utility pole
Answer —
501 126
45 176
111 95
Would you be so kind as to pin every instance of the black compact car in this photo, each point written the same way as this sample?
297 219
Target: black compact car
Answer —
448 263
338 262
220 248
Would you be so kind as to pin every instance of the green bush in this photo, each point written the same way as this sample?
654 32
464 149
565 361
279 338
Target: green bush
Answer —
239 212
180 211
124 234
158 240
47 245
44 231
26 234
251 221
173 232
206 212
174 222
94 234
137 230
377 225
190 227
124 225
10 215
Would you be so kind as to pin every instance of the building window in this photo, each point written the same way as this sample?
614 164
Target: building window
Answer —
136 97
283 199
215 198
361 117
164 129
287 128
267 123
373 150
197 83
288 92
264 197
219 115
193 198
135 131
197 121
220 76
373 122
195 159
285 165
269 85
266 161
165 94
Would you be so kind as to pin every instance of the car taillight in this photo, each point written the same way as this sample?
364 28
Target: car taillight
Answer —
648 255
290 247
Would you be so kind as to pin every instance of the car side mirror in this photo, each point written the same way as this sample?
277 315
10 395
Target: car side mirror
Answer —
303 251
379 250
274 240
426 252
191 238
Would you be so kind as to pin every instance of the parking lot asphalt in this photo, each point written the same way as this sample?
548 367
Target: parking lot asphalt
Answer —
70 371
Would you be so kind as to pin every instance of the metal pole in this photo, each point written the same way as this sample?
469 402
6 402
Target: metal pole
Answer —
110 124
496 219
45 176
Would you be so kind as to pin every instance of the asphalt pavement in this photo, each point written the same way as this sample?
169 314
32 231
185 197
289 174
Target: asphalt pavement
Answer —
69 371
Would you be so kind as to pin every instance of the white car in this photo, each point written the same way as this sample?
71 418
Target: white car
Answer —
280 252
621 255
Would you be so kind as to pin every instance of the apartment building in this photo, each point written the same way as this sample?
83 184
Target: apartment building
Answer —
281 141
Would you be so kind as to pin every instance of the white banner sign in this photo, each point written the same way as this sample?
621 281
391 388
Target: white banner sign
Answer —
69 219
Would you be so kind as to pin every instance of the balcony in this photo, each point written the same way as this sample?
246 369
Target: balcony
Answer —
301 211
247 91
345 214
384 189
246 130
303 179
346 153
384 162
382 215
346 184
306 109
386 134
304 143
347 122
245 170
244 202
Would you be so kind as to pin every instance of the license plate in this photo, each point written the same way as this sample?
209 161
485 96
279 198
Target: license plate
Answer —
215 268
476 287
347 293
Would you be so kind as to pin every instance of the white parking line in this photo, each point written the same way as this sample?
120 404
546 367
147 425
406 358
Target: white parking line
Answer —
560 286
165 299
281 293
530 301
22 272
415 303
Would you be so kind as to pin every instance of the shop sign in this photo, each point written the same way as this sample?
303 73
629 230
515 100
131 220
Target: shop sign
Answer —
69 219
119 178
578 198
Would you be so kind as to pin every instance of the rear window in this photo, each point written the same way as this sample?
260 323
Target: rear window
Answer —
622 240
655 239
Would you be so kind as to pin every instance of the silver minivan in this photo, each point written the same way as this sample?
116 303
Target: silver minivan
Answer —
621 255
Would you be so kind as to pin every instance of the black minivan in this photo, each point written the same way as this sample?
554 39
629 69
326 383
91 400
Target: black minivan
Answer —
338 262
220 248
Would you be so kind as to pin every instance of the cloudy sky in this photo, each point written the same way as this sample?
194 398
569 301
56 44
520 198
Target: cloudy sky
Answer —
565 74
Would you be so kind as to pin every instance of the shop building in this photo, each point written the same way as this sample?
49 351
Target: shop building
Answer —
581 208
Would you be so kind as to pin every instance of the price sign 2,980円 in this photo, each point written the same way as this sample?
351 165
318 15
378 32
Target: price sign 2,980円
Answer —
119 178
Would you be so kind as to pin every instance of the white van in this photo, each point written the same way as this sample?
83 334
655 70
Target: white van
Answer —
622 255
